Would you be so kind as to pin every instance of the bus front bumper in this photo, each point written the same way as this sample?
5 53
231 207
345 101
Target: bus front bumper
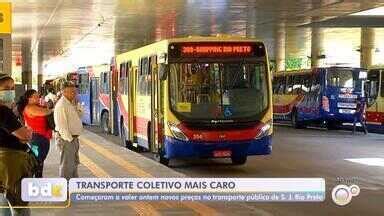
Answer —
175 148
339 117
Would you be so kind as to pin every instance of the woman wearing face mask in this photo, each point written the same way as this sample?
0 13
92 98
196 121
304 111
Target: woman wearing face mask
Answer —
15 162
35 117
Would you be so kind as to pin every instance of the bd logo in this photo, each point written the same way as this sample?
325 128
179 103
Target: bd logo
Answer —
44 189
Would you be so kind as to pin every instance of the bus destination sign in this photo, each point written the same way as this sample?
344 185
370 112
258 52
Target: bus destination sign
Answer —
209 49
219 49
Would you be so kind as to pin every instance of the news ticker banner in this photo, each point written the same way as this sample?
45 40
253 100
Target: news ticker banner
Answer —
174 189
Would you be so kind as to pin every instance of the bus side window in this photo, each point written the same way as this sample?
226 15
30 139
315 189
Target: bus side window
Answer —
122 77
83 83
382 84
143 76
128 71
297 83
306 83
289 85
101 84
275 85
315 85
152 67
106 82
279 85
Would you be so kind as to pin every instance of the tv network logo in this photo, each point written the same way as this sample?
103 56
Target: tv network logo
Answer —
44 189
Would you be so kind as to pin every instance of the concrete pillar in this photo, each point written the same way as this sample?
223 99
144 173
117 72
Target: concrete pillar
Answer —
279 48
251 23
26 68
38 64
317 47
6 53
367 46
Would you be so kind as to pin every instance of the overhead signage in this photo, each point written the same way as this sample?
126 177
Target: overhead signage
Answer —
216 49
219 50
5 17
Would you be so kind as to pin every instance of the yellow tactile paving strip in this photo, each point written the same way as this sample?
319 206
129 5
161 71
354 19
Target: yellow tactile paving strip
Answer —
143 208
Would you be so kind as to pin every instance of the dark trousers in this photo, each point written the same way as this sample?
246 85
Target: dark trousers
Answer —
43 147
362 122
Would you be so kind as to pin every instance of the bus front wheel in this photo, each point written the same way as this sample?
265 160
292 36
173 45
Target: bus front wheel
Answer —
123 135
239 160
159 157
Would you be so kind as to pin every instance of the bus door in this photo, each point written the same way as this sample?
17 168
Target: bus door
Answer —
135 88
95 102
375 111
131 98
84 95
114 105
311 102
155 105
381 96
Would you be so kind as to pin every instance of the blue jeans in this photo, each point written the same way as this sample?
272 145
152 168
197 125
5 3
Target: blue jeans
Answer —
43 147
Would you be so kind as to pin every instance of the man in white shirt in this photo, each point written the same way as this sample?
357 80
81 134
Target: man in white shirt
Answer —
69 127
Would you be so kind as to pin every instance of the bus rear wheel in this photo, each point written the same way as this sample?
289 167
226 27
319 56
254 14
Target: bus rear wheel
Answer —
239 160
105 122
295 122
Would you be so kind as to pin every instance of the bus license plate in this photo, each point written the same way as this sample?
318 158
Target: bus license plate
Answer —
222 153
347 111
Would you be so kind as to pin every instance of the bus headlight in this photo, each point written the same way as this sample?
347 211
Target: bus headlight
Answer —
176 132
264 131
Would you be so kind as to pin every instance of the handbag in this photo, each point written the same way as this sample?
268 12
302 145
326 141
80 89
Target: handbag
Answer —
39 147
51 121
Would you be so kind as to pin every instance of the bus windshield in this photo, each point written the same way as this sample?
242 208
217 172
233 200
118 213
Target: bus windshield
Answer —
345 78
222 91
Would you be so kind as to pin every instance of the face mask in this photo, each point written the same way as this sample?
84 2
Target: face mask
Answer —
7 96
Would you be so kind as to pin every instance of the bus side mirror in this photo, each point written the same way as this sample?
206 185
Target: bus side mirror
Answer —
163 71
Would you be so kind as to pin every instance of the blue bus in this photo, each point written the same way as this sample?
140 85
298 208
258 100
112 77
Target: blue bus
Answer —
93 94
328 96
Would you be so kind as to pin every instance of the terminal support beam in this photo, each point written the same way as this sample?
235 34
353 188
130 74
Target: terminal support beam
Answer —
367 47
279 47
27 63
6 53
38 64
251 24
317 47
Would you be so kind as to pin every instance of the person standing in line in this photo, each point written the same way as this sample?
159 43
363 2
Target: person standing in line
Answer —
35 117
360 117
69 127
15 162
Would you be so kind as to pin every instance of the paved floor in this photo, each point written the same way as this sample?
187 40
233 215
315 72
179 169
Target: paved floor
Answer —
296 153
312 153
